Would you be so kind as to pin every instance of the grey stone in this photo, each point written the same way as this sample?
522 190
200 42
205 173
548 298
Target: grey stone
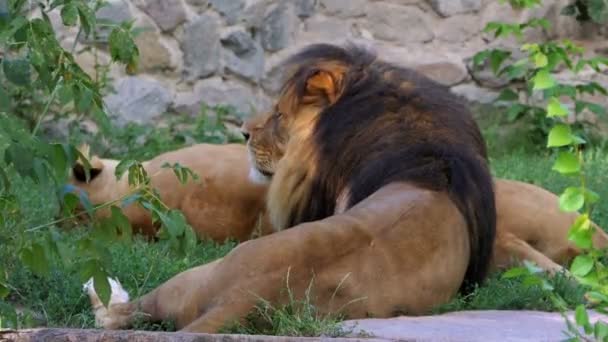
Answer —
447 8
402 24
280 25
214 91
446 73
138 100
458 28
153 55
253 15
475 93
114 11
231 10
244 58
199 5
344 9
471 326
305 8
239 42
167 14
201 47
326 28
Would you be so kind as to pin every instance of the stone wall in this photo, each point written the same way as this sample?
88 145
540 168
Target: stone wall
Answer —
226 51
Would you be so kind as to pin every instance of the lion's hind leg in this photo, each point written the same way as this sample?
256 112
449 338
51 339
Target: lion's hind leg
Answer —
520 250
119 312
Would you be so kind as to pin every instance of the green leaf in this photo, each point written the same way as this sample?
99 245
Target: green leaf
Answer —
515 272
69 14
35 258
123 167
600 331
497 57
591 196
543 80
102 286
17 71
581 317
480 58
3 291
540 60
560 135
507 95
572 199
582 265
566 163
121 222
580 232
59 160
555 108
5 101
515 112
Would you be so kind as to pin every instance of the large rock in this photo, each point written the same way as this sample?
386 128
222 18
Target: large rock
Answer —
167 14
474 93
401 24
305 8
323 29
445 72
214 91
280 27
243 56
153 55
344 9
138 100
231 10
448 8
201 47
458 29
198 5
471 326
114 11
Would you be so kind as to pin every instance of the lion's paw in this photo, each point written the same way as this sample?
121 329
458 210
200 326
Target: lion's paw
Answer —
106 317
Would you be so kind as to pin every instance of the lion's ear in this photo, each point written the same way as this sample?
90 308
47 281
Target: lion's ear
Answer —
79 169
325 85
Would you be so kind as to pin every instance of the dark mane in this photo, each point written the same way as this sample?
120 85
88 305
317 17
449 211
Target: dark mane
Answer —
393 124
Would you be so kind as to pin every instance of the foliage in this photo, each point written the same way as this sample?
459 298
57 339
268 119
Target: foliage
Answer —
36 66
298 317
536 71
588 10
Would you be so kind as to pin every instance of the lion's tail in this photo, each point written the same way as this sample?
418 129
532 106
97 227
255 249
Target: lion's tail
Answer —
471 187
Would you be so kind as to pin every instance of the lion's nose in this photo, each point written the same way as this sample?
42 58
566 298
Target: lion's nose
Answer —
246 135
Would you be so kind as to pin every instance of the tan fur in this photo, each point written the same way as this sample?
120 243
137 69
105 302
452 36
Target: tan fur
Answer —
531 227
400 251
205 298
223 204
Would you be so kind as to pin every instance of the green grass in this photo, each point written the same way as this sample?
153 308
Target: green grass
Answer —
58 300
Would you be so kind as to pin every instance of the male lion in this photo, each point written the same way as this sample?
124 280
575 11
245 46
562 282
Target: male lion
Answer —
381 196
223 204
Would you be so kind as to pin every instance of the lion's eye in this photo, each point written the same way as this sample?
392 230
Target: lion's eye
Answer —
278 115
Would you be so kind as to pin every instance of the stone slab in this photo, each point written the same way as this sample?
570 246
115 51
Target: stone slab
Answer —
471 326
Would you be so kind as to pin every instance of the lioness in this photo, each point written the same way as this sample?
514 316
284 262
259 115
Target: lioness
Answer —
223 204
381 194
531 227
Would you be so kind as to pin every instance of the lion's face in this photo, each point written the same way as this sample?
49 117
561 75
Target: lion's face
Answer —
293 116
265 145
